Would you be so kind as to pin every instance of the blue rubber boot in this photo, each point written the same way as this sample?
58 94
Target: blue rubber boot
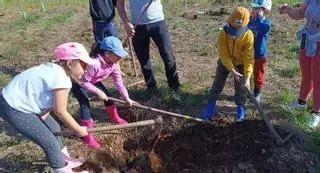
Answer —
240 112
210 110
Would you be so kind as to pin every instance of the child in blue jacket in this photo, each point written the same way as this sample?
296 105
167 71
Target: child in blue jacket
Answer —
260 26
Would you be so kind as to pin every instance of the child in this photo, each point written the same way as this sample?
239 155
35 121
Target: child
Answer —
235 46
107 53
26 101
260 26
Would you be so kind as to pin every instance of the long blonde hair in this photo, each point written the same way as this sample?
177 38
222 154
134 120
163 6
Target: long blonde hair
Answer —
67 66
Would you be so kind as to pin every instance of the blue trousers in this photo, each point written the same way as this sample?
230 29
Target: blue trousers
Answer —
103 29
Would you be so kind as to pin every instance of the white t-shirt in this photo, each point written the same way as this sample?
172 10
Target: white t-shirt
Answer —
31 90
152 15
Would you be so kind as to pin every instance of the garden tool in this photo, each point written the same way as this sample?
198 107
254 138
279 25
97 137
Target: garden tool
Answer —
127 40
158 120
140 18
187 117
276 136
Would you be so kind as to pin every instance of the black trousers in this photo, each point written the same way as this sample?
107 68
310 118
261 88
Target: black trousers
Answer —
82 97
141 42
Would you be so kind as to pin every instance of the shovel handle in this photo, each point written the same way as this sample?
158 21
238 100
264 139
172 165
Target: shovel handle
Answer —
273 131
158 120
139 18
188 117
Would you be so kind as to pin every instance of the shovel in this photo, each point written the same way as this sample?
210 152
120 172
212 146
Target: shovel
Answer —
140 18
276 136
158 120
187 117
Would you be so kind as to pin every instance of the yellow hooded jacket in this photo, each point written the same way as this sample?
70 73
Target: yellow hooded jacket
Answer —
237 51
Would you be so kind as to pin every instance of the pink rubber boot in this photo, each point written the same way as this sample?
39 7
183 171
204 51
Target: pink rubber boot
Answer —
113 114
72 162
89 139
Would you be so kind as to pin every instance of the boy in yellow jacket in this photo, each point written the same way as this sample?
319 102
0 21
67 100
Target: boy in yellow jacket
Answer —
236 52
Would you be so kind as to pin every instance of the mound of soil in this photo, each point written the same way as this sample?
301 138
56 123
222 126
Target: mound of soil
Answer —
241 147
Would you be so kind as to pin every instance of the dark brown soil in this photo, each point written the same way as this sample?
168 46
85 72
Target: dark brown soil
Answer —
241 147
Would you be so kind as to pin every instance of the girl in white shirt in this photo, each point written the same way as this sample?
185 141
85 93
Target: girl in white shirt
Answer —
26 101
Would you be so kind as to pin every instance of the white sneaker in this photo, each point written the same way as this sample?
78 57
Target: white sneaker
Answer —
72 162
314 120
296 105
67 169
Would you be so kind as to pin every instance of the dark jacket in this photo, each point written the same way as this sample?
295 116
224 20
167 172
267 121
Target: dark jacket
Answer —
102 10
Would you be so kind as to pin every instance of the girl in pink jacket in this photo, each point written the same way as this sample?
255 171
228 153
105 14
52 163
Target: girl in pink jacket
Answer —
107 54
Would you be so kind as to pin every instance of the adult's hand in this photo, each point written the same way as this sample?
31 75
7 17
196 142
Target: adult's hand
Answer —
130 29
284 8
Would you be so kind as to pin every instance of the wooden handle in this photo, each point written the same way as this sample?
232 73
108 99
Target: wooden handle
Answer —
158 120
274 133
188 117
139 19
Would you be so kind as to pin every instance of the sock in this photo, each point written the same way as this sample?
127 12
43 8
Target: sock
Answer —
301 102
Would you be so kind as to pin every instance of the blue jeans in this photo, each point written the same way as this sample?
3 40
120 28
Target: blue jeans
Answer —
103 29
37 130
141 43
83 99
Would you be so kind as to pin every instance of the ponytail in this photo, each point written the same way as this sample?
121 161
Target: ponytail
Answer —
95 50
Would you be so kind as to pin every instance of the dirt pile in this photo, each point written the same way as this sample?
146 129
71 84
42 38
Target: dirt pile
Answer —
241 147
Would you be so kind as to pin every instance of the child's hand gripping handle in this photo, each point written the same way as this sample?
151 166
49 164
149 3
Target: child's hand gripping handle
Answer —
102 96
237 76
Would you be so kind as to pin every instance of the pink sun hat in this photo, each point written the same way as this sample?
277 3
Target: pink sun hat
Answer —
73 51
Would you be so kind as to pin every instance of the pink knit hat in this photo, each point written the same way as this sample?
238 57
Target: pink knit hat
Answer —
73 51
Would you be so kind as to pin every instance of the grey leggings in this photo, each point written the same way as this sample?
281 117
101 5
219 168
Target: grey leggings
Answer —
37 130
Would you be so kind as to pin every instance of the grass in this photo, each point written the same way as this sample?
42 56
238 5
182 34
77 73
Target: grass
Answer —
56 19
35 4
4 79
299 118
20 23
291 70
206 50
294 48
33 18
286 1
